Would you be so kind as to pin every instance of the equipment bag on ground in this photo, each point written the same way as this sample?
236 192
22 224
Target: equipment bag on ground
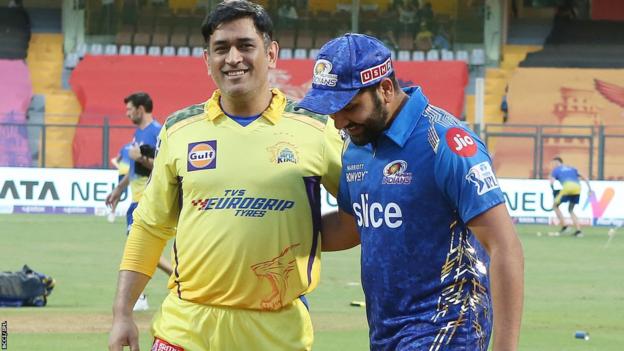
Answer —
24 288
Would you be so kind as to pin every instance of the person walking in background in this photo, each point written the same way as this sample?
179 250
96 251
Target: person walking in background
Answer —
570 192
417 190
141 153
121 162
237 183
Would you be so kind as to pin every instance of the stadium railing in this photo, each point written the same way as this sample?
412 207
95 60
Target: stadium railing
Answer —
525 149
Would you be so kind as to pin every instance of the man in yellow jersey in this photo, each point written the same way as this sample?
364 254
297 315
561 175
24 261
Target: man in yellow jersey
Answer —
236 182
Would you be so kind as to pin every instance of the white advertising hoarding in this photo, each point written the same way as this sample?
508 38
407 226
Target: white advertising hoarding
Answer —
58 190
83 191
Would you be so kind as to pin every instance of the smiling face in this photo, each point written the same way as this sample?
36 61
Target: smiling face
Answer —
238 59
364 118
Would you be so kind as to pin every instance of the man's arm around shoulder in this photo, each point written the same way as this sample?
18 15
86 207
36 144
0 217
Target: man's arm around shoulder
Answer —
339 231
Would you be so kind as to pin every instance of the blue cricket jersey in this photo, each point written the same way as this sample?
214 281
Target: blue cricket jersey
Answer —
565 174
424 274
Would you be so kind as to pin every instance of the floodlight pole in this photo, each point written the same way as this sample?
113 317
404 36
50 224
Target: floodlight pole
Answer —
479 103
355 15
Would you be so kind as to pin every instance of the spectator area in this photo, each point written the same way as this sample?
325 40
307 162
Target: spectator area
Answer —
101 83
14 33
581 44
15 95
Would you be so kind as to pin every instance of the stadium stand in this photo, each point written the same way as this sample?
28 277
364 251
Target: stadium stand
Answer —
14 33
45 62
496 80
15 95
574 80
581 44
101 83
61 107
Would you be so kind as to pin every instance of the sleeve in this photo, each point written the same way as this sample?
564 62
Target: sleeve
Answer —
463 172
332 158
555 173
155 218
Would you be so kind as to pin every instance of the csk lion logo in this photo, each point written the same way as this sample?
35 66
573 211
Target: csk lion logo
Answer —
276 271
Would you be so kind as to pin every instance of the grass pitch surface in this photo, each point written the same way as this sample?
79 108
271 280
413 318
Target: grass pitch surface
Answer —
571 284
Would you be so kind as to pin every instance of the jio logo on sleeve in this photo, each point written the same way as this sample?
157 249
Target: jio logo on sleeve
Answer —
460 142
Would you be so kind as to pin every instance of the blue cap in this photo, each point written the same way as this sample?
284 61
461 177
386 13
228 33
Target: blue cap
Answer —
344 66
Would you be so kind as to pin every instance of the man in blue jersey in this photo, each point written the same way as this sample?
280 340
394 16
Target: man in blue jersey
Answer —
139 110
570 192
441 263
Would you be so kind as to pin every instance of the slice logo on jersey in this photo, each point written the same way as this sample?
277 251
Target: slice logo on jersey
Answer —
395 173
202 155
322 75
482 176
460 142
375 214
162 345
276 271
283 152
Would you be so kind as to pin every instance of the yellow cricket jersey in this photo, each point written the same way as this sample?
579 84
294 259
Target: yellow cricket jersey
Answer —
243 204
137 185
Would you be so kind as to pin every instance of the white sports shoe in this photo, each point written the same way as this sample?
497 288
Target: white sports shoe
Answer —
141 304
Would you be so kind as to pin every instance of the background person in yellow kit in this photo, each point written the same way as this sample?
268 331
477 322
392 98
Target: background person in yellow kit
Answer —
236 181
571 191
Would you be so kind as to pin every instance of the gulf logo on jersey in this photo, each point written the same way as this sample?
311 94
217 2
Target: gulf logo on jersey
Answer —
202 155
460 142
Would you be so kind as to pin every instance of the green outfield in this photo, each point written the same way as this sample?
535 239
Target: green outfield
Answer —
571 284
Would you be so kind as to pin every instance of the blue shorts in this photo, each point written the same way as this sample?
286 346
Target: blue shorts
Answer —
129 220
573 199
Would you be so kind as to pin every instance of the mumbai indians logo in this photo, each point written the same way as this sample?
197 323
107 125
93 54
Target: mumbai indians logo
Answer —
376 72
322 75
202 155
283 152
395 173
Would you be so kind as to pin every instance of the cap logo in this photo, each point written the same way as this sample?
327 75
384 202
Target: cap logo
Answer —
376 72
322 75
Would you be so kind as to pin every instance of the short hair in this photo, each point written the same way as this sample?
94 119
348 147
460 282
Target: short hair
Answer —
140 99
372 88
228 11
557 158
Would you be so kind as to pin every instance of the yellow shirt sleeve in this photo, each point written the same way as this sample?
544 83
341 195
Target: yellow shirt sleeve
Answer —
332 155
156 216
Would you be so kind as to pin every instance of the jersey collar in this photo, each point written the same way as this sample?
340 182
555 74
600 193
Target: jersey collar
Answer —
405 122
273 113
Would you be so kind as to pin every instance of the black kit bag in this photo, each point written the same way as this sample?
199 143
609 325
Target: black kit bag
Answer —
25 288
